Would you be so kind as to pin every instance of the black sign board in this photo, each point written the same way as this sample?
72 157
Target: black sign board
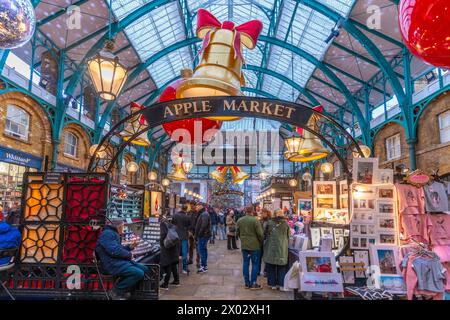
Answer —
53 178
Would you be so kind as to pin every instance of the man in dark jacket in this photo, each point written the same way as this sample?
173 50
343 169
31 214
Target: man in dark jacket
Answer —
9 239
169 256
117 260
182 223
193 216
202 235
214 222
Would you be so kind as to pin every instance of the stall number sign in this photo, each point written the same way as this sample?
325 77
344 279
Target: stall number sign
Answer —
53 178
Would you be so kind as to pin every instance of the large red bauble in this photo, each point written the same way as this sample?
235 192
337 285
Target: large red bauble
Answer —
212 126
424 25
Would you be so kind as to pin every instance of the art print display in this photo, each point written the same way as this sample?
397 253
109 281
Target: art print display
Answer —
325 195
343 188
315 237
385 193
364 204
319 272
347 276
333 216
156 203
326 232
325 203
365 170
386 223
386 258
385 176
393 284
361 256
363 217
304 205
324 188
387 238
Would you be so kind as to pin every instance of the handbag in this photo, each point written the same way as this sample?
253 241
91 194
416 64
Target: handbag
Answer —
171 238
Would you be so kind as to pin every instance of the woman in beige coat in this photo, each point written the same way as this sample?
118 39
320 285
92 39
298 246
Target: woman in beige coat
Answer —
231 231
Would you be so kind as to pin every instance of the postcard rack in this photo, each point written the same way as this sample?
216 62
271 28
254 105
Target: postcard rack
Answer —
62 217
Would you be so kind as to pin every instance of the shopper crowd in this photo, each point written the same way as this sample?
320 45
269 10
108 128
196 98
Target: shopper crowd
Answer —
263 236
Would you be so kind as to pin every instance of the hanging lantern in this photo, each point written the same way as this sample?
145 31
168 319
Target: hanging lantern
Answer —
208 128
311 147
165 182
17 23
239 176
132 167
187 166
293 183
272 191
293 145
107 74
365 150
134 125
101 153
326 167
152 176
263 175
219 71
178 173
190 193
424 28
219 174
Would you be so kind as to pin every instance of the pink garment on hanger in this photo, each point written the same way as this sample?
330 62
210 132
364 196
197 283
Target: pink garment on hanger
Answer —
415 226
439 229
443 253
411 199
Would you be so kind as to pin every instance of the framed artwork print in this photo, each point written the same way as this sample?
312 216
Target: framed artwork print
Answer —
365 170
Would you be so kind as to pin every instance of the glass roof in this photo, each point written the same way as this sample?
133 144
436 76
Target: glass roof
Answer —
296 24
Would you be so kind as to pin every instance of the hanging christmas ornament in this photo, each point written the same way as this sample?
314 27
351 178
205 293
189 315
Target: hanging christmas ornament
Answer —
219 174
239 176
17 23
424 28
134 125
207 128
219 72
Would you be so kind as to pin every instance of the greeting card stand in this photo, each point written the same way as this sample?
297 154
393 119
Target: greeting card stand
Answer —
62 216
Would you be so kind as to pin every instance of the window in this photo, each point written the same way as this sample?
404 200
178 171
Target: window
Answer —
393 149
17 122
70 144
444 126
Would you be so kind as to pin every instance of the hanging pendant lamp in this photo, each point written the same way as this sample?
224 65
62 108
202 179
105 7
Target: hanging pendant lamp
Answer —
107 73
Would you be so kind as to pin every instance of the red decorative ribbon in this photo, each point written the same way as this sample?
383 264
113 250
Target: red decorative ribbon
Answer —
318 108
246 33
135 108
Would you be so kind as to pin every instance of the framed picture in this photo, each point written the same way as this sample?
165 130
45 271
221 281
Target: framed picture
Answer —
320 262
361 256
386 224
354 242
365 170
338 233
364 192
386 258
363 217
324 188
393 284
385 193
346 232
333 216
321 282
385 176
326 231
325 203
364 204
348 276
386 208
315 237
343 187
343 201
386 238
304 205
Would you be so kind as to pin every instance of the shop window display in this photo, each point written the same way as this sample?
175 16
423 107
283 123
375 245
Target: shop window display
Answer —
11 176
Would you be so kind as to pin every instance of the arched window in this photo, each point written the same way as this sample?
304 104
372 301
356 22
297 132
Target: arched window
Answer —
70 144
17 122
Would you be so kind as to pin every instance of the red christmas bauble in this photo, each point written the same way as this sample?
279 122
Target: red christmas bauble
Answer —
207 128
424 25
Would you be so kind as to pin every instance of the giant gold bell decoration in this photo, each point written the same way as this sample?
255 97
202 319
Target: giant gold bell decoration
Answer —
219 72
309 147
134 125
238 175
219 174
178 173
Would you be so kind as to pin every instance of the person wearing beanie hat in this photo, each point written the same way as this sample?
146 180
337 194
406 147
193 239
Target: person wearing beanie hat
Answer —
117 260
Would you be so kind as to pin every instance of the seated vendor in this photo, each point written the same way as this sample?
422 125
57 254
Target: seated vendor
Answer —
9 238
117 260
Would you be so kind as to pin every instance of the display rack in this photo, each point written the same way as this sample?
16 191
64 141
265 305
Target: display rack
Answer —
62 217
129 208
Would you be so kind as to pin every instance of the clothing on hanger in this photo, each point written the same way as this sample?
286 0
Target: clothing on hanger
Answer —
436 197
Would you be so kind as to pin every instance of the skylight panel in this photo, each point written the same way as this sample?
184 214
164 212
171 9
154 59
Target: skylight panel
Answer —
341 6
250 78
169 66
122 8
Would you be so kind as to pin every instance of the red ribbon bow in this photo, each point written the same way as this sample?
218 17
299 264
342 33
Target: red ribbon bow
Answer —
247 33
318 108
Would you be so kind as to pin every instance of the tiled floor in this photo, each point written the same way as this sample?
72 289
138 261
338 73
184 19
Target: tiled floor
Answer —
223 281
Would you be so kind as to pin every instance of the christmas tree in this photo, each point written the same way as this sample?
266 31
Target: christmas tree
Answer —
221 195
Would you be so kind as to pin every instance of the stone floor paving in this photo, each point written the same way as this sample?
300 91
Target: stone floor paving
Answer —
223 281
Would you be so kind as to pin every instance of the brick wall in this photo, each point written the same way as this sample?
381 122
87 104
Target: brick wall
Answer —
39 142
430 153
82 155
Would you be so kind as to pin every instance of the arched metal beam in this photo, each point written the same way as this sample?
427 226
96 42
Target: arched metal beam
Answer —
371 48
116 28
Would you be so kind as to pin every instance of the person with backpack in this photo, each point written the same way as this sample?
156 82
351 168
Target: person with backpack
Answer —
170 253
202 235
276 250
221 225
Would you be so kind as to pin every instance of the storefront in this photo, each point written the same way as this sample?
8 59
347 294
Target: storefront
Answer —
13 164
